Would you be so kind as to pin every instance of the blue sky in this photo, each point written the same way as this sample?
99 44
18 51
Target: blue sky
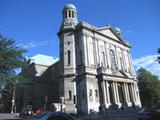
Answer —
34 23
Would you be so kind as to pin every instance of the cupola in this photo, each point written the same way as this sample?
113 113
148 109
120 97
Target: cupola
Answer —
69 16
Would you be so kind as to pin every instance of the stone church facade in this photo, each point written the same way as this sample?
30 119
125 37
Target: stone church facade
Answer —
95 69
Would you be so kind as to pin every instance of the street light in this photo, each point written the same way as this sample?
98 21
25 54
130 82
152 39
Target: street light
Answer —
13 109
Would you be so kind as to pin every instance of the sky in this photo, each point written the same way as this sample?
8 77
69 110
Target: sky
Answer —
34 24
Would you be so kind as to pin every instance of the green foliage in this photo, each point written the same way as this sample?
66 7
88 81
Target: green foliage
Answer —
149 88
11 58
11 55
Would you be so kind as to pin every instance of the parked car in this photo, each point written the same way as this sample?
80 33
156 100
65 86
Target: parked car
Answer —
38 111
149 114
26 112
52 116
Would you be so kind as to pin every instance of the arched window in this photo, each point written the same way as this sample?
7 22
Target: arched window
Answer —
69 57
121 63
113 60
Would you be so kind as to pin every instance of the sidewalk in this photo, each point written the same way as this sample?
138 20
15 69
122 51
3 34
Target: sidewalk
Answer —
9 116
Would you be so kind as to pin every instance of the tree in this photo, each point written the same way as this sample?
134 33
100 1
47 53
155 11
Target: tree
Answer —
158 58
149 88
11 58
11 55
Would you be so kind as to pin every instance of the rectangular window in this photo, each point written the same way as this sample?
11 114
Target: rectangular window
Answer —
90 95
69 57
96 93
70 94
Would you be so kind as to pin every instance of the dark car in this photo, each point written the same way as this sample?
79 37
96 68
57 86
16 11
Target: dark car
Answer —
149 114
52 116
26 112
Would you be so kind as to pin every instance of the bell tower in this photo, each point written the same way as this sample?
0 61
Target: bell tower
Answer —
69 16
67 36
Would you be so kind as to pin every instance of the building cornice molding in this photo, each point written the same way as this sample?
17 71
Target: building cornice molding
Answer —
94 29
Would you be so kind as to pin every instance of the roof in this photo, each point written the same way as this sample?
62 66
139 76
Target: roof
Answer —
43 60
69 6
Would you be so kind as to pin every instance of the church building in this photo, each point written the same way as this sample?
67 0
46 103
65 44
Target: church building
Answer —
95 68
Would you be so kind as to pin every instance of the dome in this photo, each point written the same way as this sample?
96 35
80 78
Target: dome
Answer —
69 6
117 29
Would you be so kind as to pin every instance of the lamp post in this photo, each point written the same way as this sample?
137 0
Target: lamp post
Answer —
62 101
101 89
13 109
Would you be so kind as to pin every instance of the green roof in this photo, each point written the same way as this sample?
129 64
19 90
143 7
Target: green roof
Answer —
69 6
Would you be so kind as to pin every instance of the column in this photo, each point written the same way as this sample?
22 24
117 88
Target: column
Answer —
127 89
117 93
116 56
134 89
84 50
107 89
108 57
107 94
127 95
104 93
133 93
67 14
114 92
106 53
97 49
138 97
137 102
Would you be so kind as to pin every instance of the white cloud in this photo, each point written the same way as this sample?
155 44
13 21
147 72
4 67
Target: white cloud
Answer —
35 44
149 63
28 45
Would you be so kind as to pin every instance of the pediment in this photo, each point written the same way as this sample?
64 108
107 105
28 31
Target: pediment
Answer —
109 32
121 74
